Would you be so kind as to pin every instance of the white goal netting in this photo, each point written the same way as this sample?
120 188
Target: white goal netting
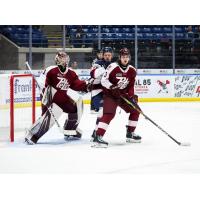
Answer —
17 116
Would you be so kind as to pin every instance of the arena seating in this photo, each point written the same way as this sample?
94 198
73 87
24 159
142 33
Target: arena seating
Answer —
126 33
154 41
20 35
111 34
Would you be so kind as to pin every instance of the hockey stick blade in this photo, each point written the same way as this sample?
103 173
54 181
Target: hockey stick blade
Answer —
186 144
137 108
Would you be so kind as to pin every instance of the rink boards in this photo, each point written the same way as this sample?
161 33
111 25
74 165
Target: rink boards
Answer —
163 88
149 88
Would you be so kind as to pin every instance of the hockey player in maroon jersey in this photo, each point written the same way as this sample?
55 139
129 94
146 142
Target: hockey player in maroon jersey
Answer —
118 80
59 79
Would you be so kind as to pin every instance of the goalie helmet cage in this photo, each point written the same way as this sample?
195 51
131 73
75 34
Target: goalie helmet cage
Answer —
12 102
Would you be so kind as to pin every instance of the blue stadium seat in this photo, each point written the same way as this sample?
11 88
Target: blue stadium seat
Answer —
179 29
167 29
158 36
73 30
89 38
120 36
130 36
148 36
104 35
9 30
146 30
126 30
111 36
105 30
21 30
179 35
95 35
140 36
116 30
157 30
93 30
168 35
89 35
139 29
85 30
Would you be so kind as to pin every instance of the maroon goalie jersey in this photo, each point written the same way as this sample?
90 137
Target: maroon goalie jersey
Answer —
117 76
63 81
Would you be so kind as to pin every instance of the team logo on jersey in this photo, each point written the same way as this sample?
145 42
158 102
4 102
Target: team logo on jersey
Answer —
63 84
123 82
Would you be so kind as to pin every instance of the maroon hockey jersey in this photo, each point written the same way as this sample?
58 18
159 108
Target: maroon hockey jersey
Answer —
63 81
116 76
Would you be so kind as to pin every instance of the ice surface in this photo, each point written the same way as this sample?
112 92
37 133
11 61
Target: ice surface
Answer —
156 154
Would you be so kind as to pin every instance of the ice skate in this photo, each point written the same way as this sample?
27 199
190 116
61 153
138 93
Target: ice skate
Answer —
98 142
76 136
131 137
93 136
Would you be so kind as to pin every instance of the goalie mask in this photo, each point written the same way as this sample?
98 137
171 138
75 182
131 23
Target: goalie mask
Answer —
62 60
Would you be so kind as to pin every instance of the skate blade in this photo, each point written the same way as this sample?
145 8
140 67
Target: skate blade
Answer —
128 140
71 138
97 145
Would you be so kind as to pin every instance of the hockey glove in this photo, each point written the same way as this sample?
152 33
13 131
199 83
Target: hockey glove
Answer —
135 98
115 91
90 84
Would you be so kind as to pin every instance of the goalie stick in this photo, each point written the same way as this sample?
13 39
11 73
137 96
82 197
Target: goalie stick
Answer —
48 107
135 106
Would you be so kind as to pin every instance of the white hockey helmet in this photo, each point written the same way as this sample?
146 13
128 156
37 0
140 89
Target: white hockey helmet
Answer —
62 59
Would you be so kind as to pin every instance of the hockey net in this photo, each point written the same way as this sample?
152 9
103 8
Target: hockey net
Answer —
17 105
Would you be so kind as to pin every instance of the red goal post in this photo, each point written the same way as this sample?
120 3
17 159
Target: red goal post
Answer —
12 101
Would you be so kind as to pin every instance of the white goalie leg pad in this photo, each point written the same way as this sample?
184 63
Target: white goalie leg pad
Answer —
48 95
45 122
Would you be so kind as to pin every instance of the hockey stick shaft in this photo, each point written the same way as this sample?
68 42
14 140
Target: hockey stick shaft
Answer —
48 107
135 106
